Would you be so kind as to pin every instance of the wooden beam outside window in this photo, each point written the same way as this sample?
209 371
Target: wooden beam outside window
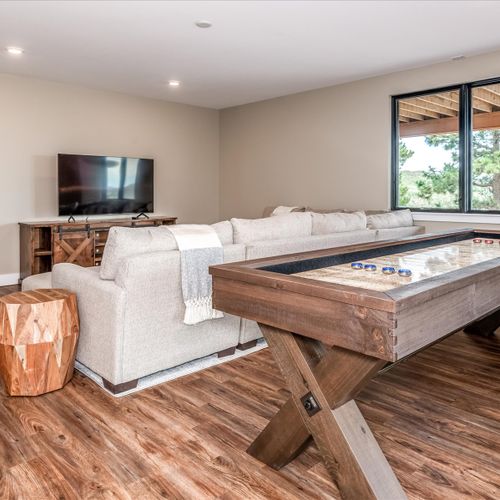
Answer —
482 121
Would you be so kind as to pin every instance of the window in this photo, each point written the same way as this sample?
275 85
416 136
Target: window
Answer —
485 194
446 149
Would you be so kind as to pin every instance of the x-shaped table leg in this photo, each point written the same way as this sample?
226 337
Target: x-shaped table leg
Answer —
323 383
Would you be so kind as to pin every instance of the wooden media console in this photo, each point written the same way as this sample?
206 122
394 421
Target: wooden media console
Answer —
43 244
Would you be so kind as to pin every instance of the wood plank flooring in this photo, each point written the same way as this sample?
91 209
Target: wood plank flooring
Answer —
436 417
5 290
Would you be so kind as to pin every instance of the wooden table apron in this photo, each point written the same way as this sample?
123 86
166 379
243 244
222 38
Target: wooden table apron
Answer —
330 340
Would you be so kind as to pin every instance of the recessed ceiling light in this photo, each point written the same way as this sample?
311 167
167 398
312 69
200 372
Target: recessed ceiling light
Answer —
174 83
203 24
14 51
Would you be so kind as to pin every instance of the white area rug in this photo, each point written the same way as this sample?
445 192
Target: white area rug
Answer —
172 373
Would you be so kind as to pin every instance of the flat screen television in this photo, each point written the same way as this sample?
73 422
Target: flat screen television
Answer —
89 185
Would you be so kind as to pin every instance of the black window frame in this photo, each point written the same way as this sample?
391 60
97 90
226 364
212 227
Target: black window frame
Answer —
465 147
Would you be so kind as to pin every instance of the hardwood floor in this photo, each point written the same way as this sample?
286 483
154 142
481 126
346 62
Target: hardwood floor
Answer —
5 290
436 417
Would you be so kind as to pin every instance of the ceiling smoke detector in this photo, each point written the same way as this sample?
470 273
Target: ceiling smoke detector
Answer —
203 24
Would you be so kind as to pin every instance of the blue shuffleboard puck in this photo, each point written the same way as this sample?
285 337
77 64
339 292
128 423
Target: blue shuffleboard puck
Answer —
388 270
357 265
370 267
404 272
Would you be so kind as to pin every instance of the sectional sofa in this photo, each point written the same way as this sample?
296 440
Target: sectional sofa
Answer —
131 308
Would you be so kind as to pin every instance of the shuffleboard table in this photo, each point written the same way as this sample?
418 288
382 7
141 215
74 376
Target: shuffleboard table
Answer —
332 326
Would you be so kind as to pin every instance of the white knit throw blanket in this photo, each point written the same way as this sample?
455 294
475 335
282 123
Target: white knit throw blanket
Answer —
200 248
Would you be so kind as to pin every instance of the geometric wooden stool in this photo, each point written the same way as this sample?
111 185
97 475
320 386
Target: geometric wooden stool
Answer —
38 335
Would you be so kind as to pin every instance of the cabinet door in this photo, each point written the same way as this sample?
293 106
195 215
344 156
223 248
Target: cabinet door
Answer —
75 247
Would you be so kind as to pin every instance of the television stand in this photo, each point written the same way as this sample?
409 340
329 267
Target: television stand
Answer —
142 214
71 219
43 244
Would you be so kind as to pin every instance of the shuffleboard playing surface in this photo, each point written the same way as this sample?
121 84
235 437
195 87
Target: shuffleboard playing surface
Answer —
423 263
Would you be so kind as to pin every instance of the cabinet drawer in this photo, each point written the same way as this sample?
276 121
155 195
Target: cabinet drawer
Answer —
101 236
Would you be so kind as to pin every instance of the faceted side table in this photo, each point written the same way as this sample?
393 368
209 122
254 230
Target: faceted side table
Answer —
38 335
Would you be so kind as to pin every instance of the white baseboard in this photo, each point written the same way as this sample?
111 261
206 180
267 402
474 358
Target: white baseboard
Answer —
9 279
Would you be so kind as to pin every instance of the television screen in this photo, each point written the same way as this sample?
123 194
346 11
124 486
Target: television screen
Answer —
91 185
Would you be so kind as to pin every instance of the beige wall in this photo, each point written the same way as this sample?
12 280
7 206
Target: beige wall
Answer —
39 119
325 148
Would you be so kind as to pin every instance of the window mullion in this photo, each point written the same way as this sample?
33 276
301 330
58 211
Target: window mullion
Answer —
465 145
395 155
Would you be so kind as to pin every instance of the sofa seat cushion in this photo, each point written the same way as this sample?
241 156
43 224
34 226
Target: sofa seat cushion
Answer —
234 253
293 225
337 222
396 233
398 218
261 249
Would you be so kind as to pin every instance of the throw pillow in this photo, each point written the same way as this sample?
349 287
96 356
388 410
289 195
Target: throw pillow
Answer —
268 211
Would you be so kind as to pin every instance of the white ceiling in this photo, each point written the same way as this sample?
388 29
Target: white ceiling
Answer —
255 50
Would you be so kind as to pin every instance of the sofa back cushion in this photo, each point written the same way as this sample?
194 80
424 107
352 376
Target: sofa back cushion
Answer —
125 242
399 218
224 230
291 225
337 222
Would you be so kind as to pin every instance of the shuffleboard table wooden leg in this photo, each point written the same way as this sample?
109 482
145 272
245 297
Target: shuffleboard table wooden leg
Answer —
486 326
286 436
323 383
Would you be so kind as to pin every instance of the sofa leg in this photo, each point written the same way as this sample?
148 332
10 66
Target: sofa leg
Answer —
247 345
119 388
226 352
